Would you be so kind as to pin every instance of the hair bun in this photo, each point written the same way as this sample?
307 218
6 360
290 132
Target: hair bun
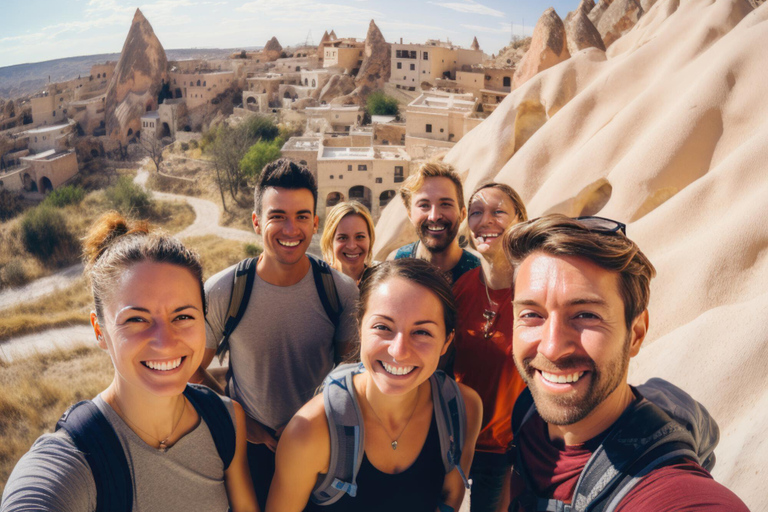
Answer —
105 231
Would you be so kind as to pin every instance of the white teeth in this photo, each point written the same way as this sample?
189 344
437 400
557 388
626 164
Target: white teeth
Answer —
436 228
165 365
288 244
351 256
485 238
562 379
397 370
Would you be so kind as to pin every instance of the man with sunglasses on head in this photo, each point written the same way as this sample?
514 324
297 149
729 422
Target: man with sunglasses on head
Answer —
584 439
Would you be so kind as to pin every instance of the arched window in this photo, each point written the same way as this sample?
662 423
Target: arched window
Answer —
198 83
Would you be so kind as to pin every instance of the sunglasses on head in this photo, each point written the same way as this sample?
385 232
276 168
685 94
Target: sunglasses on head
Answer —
602 225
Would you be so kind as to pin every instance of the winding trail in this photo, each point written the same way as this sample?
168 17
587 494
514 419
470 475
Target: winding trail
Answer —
207 217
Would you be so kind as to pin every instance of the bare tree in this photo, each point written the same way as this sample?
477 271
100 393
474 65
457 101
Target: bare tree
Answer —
153 148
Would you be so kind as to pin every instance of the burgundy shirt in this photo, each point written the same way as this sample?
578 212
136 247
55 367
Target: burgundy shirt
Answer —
555 467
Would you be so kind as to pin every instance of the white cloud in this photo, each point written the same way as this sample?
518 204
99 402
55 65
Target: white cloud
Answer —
470 7
504 28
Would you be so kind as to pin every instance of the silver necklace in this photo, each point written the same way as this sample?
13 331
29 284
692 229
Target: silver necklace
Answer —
394 441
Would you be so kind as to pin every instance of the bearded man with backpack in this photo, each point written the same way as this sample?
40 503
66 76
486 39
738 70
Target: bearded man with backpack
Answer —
286 318
584 439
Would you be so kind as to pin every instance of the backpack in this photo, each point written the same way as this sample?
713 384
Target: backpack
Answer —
658 430
243 285
345 425
96 439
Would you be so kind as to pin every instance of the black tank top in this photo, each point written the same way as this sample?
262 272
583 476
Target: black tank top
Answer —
417 489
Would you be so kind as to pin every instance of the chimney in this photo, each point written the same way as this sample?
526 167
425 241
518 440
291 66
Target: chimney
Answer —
401 40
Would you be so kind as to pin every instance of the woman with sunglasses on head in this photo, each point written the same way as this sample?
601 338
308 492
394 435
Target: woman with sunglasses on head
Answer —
149 441
347 239
483 346
396 437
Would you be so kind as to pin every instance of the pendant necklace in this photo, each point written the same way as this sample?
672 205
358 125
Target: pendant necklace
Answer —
489 314
394 441
162 445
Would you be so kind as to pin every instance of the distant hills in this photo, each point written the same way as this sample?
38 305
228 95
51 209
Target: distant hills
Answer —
26 79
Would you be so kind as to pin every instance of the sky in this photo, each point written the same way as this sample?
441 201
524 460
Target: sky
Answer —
39 30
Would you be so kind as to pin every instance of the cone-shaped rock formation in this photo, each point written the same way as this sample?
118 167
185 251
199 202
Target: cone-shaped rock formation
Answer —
475 45
272 50
548 47
139 75
579 30
375 70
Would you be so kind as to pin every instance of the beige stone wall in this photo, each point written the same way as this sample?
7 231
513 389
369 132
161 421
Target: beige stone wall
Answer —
13 181
470 81
308 158
420 148
49 139
210 86
42 110
389 134
346 58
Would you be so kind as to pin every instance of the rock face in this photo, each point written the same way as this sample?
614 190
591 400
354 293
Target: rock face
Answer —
321 45
756 3
510 56
337 85
475 45
375 70
597 11
332 35
579 30
618 19
548 47
139 75
666 132
272 50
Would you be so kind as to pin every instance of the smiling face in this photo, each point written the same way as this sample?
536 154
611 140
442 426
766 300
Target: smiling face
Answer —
402 335
286 224
436 214
154 328
570 342
490 213
351 244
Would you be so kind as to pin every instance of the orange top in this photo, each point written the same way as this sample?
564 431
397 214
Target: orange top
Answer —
486 365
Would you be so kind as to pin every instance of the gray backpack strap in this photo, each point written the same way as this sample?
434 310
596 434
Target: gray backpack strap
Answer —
345 426
451 417
245 274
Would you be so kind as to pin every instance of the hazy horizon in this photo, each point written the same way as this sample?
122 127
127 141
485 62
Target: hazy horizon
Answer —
43 30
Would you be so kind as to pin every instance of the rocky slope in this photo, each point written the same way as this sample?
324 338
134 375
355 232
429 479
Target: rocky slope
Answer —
140 73
667 132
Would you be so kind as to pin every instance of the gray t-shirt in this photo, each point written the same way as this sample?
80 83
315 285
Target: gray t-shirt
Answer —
284 345
53 476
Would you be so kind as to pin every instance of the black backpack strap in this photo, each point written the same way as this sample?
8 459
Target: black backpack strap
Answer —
643 438
522 411
326 289
212 410
96 439
245 273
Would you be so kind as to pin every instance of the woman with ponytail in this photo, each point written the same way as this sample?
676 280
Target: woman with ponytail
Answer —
149 441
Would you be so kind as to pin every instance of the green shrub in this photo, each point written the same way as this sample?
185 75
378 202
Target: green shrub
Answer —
379 104
10 205
261 127
252 250
63 196
46 235
259 155
129 198
13 273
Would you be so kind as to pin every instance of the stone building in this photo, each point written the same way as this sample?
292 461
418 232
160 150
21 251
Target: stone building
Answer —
303 150
199 88
490 85
370 175
41 173
49 137
413 64
333 118
89 114
345 55
438 120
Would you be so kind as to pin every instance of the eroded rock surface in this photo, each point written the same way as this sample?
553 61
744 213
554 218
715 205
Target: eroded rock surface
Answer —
139 75
548 47
375 70
272 50
580 33
618 19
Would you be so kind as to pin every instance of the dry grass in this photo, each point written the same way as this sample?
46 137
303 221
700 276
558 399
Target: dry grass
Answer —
62 308
18 267
34 392
217 253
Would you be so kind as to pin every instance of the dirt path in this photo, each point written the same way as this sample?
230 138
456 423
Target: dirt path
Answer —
43 286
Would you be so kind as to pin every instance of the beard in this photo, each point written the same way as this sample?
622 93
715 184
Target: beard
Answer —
443 239
567 409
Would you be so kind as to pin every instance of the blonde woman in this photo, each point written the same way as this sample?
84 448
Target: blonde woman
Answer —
348 239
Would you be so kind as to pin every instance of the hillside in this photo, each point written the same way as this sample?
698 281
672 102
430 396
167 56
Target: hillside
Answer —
26 79
665 131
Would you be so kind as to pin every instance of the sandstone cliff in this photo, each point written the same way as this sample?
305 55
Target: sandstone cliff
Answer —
139 75
580 33
667 132
618 19
548 47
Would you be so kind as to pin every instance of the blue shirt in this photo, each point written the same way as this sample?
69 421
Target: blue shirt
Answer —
467 262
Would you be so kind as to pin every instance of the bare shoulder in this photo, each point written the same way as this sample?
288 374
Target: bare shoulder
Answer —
472 402
307 435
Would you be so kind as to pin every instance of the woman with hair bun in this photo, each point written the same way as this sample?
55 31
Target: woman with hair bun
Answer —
149 441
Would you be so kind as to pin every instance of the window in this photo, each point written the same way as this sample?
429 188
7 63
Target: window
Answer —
362 167
331 176
413 67
399 174
399 65
54 113
429 128
349 167
341 176
379 180
426 56
412 54
441 130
